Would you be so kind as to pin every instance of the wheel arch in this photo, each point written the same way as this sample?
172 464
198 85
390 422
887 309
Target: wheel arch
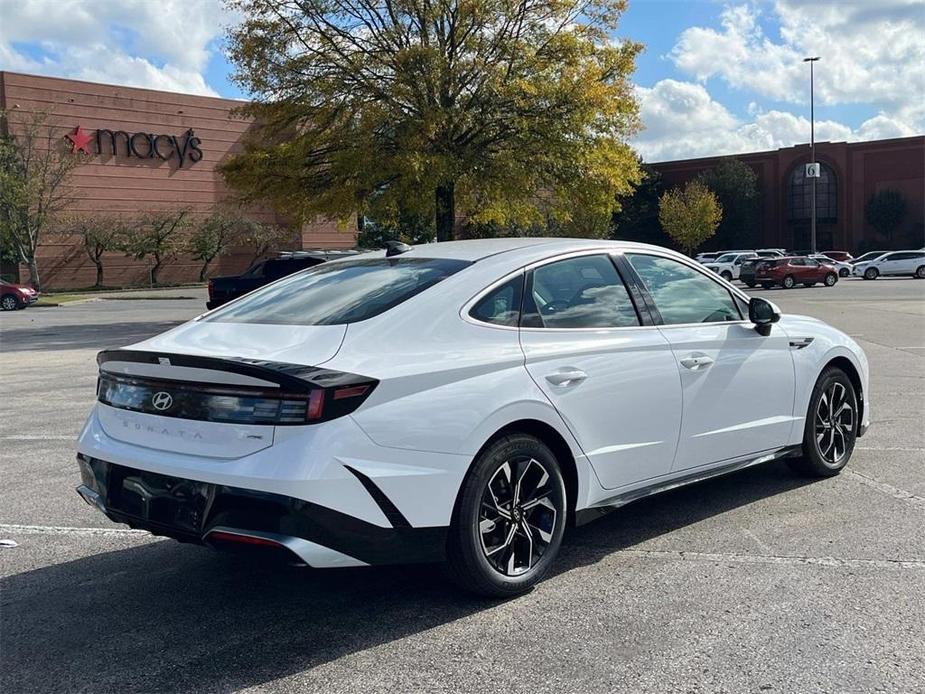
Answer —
846 365
556 442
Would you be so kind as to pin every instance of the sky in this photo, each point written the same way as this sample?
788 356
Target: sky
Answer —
715 78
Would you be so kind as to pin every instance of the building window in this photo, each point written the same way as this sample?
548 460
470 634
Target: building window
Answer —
800 198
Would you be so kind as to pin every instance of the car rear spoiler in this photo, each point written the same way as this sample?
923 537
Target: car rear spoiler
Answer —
295 378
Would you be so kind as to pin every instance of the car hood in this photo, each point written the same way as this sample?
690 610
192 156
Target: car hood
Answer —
310 345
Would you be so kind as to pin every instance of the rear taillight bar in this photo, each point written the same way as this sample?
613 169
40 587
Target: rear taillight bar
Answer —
317 395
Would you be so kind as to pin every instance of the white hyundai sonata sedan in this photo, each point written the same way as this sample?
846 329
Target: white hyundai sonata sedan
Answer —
460 402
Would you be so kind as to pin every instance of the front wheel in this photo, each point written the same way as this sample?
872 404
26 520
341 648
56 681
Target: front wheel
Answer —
844 272
509 521
726 275
831 279
788 282
871 273
8 302
831 426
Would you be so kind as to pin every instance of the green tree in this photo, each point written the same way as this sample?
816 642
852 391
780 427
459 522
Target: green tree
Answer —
35 166
736 187
158 235
689 215
515 111
884 211
98 234
637 219
213 236
262 237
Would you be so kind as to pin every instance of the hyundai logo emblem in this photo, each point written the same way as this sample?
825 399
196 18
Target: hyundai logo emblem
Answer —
162 400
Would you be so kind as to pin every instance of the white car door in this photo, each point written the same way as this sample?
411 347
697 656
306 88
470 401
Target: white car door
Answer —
737 384
612 379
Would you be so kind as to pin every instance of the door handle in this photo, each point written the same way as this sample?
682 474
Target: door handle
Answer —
697 362
567 377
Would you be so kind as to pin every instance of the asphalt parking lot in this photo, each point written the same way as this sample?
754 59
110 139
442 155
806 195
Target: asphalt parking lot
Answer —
759 581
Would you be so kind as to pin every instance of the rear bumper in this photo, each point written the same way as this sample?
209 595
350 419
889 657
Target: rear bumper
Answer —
194 511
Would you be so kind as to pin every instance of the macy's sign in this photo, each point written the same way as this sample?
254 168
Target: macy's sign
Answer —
140 145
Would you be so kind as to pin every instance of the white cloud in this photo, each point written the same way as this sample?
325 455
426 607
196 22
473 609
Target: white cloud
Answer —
142 43
683 121
872 53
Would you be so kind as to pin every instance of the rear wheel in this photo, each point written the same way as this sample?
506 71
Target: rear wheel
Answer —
831 279
844 272
726 275
510 518
788 282
9 302
871 273
920 272
831 426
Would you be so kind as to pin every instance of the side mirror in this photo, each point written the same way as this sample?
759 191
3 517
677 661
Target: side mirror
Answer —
762 313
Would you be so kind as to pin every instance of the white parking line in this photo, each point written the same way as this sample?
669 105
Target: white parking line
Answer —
65 530
885 488
771 559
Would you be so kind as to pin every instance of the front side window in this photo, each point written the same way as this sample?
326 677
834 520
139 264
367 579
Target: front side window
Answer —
583 292
682 294
339 292
501 306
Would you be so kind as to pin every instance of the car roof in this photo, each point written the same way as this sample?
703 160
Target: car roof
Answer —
479 249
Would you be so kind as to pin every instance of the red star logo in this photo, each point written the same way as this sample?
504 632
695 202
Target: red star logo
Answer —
80 140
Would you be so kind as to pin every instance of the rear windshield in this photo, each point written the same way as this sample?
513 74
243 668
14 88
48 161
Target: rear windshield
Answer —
340 292
771 262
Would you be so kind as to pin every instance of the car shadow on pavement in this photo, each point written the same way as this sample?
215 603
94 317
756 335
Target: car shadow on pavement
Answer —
81 336
168 617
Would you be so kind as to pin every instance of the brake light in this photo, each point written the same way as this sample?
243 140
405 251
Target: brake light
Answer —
209 402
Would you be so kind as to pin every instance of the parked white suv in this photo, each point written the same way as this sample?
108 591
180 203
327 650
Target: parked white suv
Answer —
729 265
895 263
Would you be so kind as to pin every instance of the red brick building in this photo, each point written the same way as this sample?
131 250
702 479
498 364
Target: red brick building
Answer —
851 173
144 151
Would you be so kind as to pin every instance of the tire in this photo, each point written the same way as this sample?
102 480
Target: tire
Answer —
844 272
726 275
830 279
871 273
750 285
828 440
767 285
10 302
788 282
488 552
920 272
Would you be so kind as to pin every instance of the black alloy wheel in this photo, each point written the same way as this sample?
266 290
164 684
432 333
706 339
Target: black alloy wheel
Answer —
509 520
831 426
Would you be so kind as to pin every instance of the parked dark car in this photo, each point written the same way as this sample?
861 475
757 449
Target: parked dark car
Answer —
15 296
841 256
747 271
790 271
224 289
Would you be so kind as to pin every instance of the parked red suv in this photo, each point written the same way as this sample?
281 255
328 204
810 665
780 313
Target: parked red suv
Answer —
14 296
788 272
840 256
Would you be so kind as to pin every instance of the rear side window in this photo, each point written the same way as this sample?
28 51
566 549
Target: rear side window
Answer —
583 292
502 305
339 292
682 294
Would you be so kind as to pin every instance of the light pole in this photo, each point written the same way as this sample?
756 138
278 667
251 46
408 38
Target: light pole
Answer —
812 153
